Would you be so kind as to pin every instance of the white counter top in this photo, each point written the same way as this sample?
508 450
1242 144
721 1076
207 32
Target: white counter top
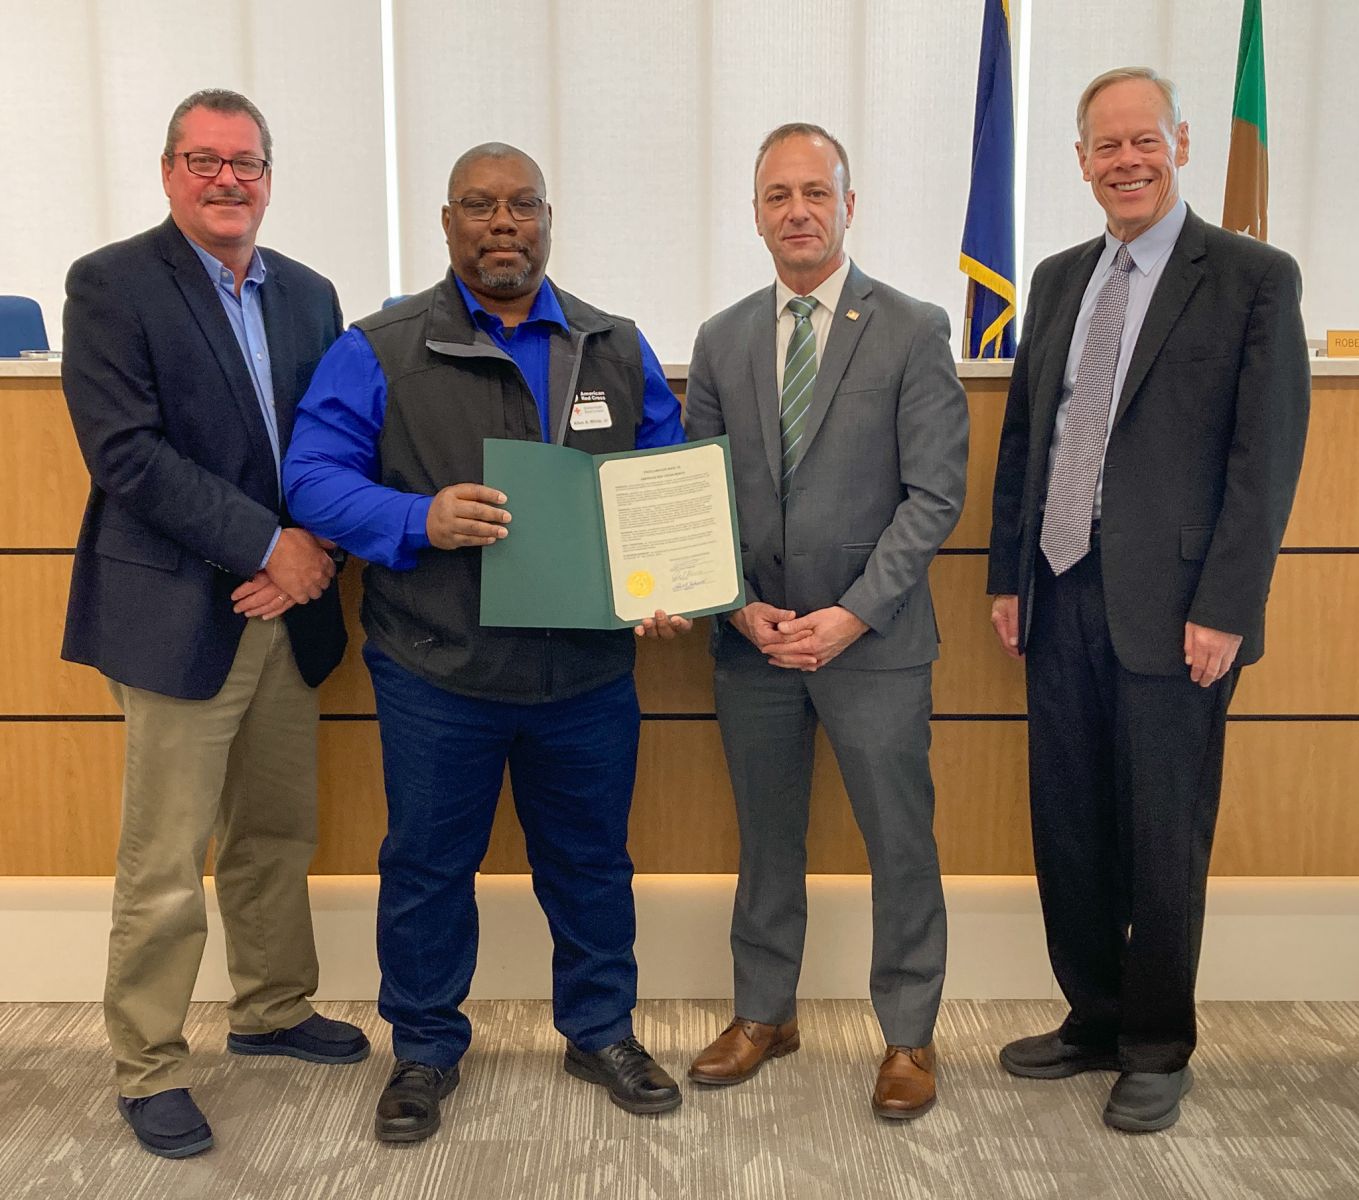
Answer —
29 368
992 368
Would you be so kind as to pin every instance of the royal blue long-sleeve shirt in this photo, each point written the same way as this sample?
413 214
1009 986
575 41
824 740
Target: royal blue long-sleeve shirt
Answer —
331 470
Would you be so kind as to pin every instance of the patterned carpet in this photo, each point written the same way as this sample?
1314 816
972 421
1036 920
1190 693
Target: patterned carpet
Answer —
1274 1116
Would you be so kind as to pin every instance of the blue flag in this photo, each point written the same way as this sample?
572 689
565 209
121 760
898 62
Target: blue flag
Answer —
988 257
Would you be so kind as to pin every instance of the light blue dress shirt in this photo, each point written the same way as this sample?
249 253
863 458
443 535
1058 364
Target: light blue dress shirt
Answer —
246 314
1150 252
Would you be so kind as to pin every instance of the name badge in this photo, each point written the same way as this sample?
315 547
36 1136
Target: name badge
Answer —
591 411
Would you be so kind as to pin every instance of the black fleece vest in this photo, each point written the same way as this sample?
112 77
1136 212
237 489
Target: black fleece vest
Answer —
449 387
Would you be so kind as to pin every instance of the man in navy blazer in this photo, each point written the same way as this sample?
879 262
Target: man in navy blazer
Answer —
1152 441
211 616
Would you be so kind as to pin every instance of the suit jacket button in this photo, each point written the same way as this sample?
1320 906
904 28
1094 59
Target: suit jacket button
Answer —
778 560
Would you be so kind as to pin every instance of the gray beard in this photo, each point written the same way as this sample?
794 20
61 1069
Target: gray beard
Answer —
503 278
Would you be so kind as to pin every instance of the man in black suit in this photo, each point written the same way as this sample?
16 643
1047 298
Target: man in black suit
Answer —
186 350
1151 448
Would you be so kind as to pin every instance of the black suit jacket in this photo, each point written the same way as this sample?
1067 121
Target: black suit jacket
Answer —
1204 454
184 496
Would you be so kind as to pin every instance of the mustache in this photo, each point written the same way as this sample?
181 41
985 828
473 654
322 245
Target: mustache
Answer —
492 248
227 193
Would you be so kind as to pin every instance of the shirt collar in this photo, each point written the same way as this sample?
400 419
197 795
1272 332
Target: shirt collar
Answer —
546 307
1148 248
826 293
215 268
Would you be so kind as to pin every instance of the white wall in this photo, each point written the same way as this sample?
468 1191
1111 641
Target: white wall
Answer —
645 118
86 90
995 929
1311 59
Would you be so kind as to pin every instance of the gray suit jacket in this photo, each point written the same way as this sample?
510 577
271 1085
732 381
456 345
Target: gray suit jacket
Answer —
881 481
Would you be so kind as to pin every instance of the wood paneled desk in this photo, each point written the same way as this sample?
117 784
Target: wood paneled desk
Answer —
1290 798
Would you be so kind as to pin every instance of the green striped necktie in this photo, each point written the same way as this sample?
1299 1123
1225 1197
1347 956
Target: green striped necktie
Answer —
799 379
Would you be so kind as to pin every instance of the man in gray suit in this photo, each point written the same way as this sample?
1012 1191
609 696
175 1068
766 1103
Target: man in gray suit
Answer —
848 432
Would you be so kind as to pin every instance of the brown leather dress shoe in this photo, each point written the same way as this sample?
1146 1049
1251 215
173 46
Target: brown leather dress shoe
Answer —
744 1045
905 1088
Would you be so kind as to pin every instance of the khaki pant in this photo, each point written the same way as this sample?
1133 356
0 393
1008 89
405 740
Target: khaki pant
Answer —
241 767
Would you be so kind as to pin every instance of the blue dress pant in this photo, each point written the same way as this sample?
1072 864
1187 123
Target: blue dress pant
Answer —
572 765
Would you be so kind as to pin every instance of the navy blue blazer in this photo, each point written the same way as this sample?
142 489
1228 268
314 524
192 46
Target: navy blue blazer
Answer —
184 497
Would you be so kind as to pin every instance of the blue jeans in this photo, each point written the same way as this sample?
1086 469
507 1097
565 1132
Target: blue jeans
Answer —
572 765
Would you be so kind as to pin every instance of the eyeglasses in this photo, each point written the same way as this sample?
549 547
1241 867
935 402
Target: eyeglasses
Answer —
247 168
483 208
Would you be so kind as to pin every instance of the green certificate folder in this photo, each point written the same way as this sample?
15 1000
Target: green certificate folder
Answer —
602 541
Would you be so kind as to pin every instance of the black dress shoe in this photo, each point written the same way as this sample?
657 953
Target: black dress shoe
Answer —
1145 1101
318 1039
408 1109
635 1080
169 1123
1046 1056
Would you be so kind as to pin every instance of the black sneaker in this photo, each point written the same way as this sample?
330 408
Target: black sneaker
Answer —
1144 1102
408 1109
1046 1056
636 1082
169 1123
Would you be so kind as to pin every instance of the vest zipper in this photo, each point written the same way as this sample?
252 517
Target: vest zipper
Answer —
564 422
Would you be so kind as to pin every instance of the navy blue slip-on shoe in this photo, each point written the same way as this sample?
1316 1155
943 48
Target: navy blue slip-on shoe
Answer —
318 1039
169 1123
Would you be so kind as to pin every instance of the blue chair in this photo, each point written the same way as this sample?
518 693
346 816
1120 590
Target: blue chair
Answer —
21 326
387 303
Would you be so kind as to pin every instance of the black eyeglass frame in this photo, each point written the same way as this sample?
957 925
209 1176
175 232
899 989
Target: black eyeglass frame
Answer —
186 155
537 205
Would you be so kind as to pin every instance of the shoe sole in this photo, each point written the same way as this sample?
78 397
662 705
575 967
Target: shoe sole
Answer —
637 1107
1059 1070
249 1051
784 1049
404 1137
420 1133
1125 1123
178 1151
905 1114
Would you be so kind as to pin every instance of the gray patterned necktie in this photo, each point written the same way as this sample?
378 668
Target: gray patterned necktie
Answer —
799 378
1065 538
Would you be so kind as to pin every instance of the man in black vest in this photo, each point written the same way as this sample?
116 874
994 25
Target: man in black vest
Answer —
387 460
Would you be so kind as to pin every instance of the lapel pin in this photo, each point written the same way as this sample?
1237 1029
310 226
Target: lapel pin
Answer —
853 314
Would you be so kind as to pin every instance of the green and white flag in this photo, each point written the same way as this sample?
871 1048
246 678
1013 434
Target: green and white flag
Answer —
1246 206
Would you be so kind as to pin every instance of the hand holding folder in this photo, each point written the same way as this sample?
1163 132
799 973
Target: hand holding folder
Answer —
604 541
